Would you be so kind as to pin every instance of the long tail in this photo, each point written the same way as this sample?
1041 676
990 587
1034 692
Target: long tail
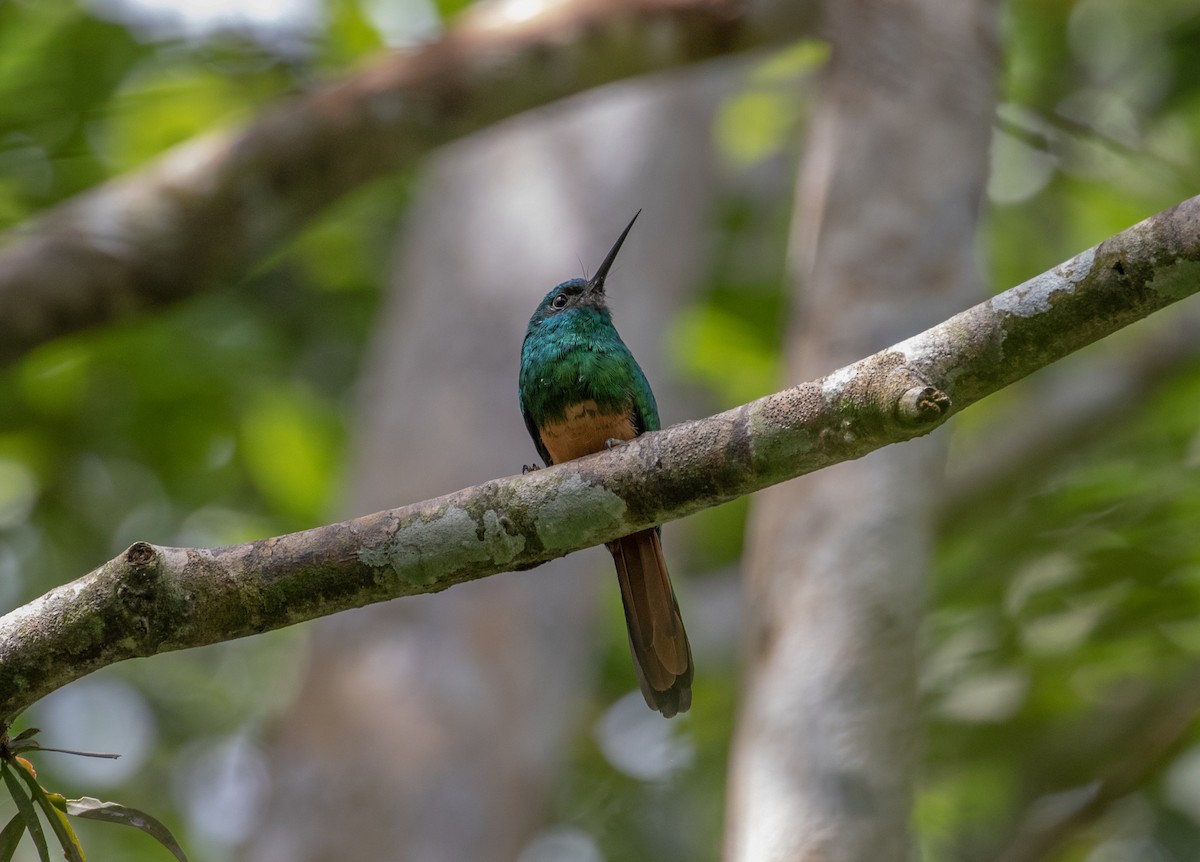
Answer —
662 656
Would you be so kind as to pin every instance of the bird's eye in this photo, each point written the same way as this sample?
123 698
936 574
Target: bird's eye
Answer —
559 301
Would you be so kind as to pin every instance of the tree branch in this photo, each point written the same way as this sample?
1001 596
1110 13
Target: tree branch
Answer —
1082 400
212 207
1143 749
153 599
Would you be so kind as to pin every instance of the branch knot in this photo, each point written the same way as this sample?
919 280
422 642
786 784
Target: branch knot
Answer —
923 405
141 568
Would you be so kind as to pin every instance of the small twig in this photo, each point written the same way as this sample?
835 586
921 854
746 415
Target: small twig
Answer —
1050 822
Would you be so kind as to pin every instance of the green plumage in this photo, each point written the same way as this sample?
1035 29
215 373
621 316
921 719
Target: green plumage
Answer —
573 354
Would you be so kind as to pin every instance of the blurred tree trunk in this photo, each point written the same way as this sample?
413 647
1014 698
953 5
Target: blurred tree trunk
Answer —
431 729
882 245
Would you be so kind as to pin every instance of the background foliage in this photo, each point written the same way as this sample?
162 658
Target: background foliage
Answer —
1063 606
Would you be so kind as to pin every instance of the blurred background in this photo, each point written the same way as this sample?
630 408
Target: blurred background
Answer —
372 362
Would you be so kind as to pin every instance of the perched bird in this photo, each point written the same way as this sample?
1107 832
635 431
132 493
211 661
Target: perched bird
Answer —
580 390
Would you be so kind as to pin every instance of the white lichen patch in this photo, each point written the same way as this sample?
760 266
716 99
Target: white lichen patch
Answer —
1180 279
580 509
30 612
836 381
503 546
426 550
46 606
1036 295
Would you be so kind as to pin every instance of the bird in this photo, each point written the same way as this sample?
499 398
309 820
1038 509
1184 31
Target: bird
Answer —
581 391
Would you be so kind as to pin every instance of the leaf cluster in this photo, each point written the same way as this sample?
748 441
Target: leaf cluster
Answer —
20 779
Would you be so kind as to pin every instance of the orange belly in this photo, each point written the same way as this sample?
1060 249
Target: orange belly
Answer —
584 430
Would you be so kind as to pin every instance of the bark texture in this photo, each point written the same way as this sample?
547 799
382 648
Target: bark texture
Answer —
155 599
1069 404
152 599
882 243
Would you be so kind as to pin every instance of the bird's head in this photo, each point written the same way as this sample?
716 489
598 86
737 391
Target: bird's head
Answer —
579 292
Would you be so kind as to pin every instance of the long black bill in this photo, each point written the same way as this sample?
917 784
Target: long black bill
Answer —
596 285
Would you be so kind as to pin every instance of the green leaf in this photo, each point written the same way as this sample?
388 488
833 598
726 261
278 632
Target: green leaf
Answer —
10 837
63 829
27 812
58 821
289 441
114 812
26 733
350 31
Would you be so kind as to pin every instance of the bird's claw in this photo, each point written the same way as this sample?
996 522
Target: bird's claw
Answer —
529 468
613 442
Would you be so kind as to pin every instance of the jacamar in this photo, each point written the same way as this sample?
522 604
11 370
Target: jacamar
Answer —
581 391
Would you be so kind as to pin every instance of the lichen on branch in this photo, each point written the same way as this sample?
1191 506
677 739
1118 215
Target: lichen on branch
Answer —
153 599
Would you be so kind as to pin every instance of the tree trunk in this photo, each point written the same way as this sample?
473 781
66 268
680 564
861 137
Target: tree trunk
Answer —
882 245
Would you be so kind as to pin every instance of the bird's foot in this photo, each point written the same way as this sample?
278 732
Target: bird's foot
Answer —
529 468
613 442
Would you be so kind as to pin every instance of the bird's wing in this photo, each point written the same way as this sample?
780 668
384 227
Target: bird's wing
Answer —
645 410
535 434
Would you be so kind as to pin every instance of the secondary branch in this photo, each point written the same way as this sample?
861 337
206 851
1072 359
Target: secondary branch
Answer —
213 207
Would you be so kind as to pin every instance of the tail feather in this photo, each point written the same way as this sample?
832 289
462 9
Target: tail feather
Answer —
662 656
